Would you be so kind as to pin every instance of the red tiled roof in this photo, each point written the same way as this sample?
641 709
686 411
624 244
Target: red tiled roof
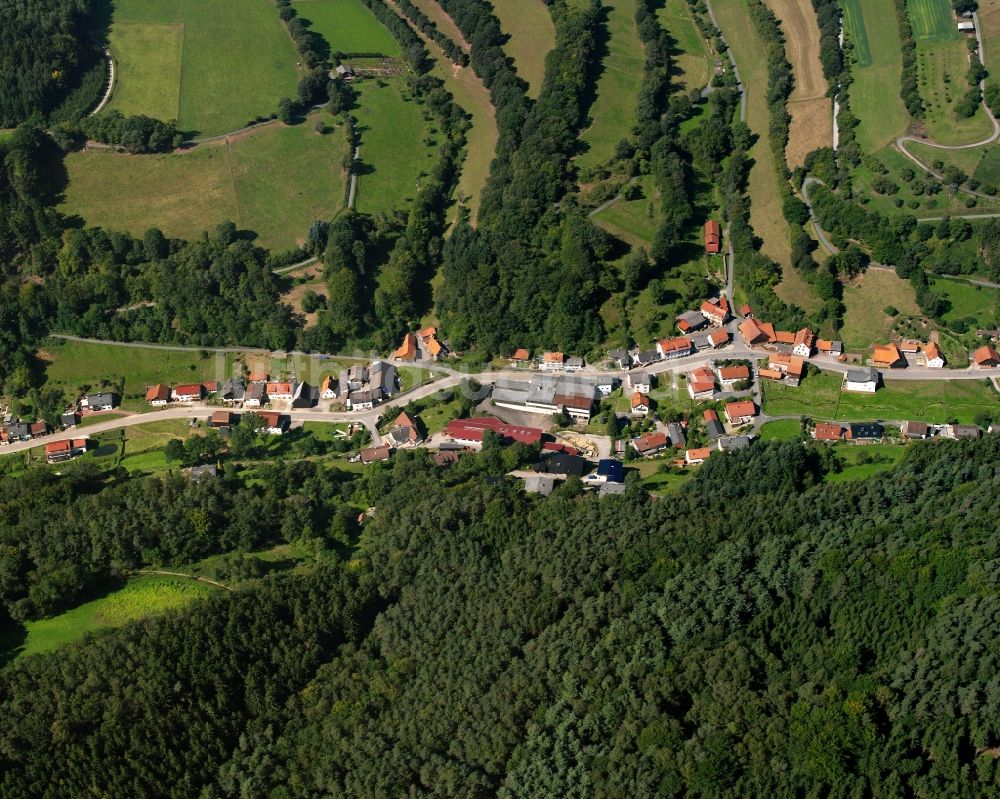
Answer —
520 354
553 357
473 429
931 351
159 392
270 418
985 354
828 432
886 354
274 389
718 337
408 349
669 345
639 399
736 410
188 390
57 447
710 416
783 337
734 373
651 441
699 454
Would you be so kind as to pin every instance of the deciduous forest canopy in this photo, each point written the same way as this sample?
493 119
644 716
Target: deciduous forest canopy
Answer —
760 633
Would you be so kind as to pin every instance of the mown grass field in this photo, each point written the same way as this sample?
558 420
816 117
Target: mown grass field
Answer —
977 306
865 320
612 113
693 64
810 109
989 30
347 25
937 401
532 36
274 181
983 163
861 463
782 430
144 444
932 20
764 185
941 68
138 599
871 26
212 65
393 149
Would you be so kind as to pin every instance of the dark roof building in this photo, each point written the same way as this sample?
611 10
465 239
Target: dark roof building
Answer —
561 463
865 431
611 470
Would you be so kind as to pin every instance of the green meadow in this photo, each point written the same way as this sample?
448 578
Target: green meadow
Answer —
275 181
532 36
347 25
213 65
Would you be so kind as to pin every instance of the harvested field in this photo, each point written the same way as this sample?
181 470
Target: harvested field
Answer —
811 110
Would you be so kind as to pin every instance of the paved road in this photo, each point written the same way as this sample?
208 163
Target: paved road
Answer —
111 84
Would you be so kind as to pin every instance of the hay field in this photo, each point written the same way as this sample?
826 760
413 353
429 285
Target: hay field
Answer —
692 62
811 110
442 22
532 36
871 26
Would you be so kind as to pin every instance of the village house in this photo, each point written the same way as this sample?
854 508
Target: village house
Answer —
39 428
676 435
740 413
915 430
432 345
746 311
608 471
791 368
754 333
357 376
701 383
407 351
158 394
802 344
404 432
731 375
103 401
957 431
562 463
718 338
695 456
61 451
716 313
375 454
552 362
672 348
620 359
541 484
18 431
305 396
383 380
279 391
887 356
824 431
713 237
909 347
275 424
865 432
713 427
362 400
644 358
232 391
605 385
220 419
640 404
932 356
188 392
574 364
639 381
863 380
69 419
689 321
254 396
470 431
521 357
829 348
985 358
732 443
650 444
327 389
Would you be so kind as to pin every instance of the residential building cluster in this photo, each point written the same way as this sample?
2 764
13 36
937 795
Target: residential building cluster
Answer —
575 395
424 344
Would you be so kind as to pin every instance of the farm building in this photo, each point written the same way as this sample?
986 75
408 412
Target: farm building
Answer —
713 237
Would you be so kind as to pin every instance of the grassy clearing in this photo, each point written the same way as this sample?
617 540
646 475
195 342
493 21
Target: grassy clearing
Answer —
612 114
989 30
393 149
977 306
795 290
936 401
144 444
932 20
764 185
871 27
236 61
865 320
347 25
941 68
444 23
693 63
138 599
70 365
861 463
783 430
811 126
274 181
637 219
532 36
148 62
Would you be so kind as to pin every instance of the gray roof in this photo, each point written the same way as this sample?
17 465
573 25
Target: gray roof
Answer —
862 375
621 357
576 360
693 318
233 389
363 396
18 430
382 377
68 419
539 484
103 398
198 472
610 489
306 396
714 429
647 356
255 391
733 443
676 434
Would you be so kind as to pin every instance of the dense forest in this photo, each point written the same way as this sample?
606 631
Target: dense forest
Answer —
760 633
48 50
